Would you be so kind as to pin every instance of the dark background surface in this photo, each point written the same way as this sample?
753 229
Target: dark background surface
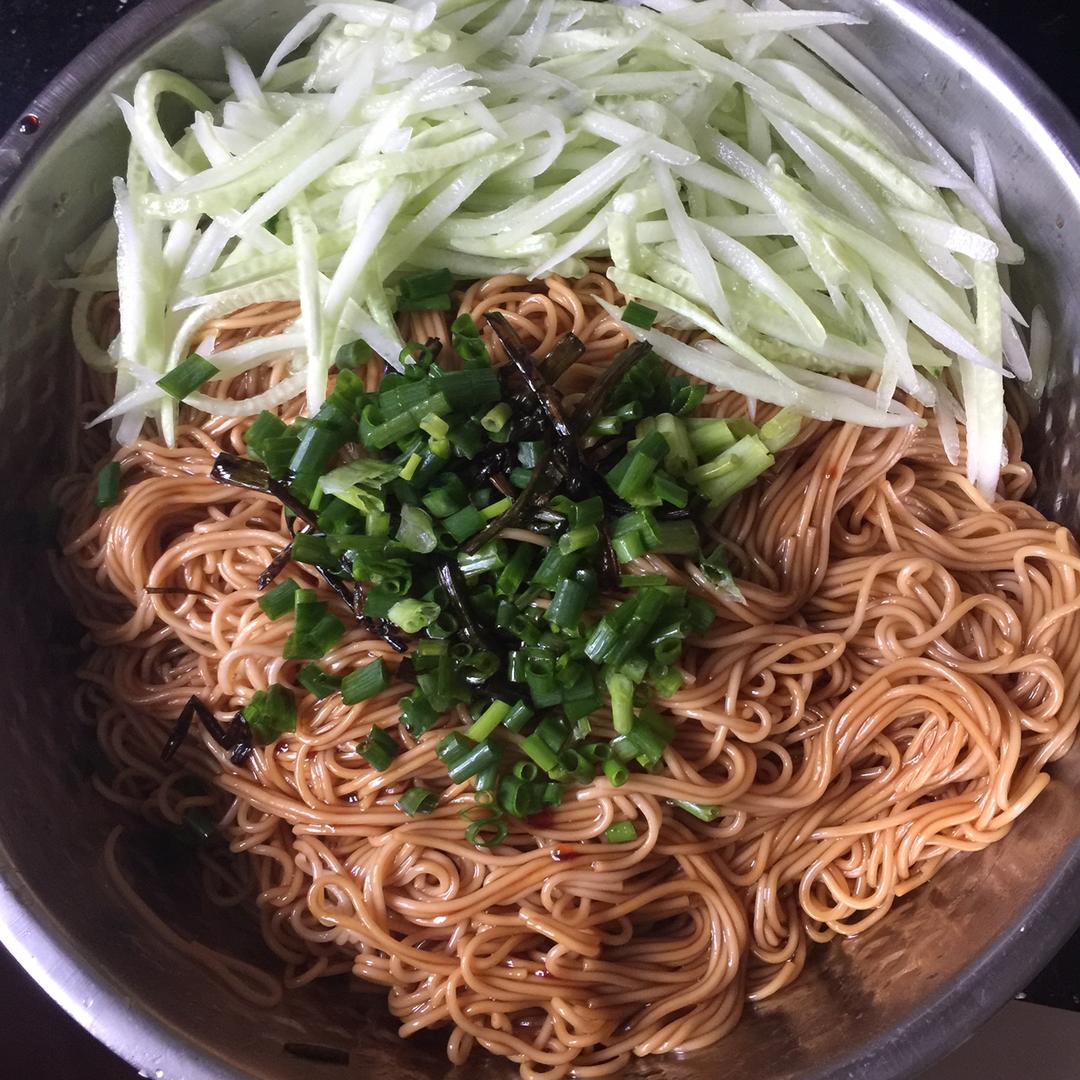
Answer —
37 38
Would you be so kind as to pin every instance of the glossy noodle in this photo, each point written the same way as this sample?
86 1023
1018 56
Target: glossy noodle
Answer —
904 668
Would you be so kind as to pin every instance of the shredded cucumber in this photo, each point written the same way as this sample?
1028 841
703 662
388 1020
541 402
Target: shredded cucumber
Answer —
743 173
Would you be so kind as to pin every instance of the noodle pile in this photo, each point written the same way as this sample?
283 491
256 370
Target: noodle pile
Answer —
904 668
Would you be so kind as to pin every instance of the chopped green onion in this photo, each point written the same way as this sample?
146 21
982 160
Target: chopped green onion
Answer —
447 497
628 547
488 721
280 599
265 428
412 616
417 714
452 746
495 419
715 568
676 538
687 398
467 439
667 490
641 581
318 682
622 832
487 782
271 713
639 315
378 749
567 605
476 760
425 303
666 645
710 436
526 770
408 470
736 468
513 574
464 523
468 344
433 425
353 355
310 549
579 539
552 794
497 509
539 751
315 632
616 772
621 691
680 455
554 566
646 606
417 800
571 763
416 358
635 668
520 798
364 683
428 283
398 427
628 479
702 811
607 425
596 752
489 557
650 748
108 486
470 390
700 614
187 377
780 430
488 833
668 683
416 530
518 717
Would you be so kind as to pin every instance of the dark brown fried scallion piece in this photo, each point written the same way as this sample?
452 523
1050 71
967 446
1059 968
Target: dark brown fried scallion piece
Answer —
565 352
240 472
353 601
236 738
609 564
179 731
591 406
535 495
546 397
173 590
274 568
453 583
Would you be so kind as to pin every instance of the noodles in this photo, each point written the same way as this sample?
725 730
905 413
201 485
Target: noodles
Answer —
904 668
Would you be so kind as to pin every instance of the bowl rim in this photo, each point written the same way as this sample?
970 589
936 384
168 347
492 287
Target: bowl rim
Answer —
91 995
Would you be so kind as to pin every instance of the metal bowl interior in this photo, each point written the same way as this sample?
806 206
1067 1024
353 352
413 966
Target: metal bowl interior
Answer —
880 1006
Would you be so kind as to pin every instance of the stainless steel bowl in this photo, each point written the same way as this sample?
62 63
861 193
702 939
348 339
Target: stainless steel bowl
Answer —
881 1006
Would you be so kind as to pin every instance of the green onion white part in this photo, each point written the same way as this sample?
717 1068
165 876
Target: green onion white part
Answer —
742 171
